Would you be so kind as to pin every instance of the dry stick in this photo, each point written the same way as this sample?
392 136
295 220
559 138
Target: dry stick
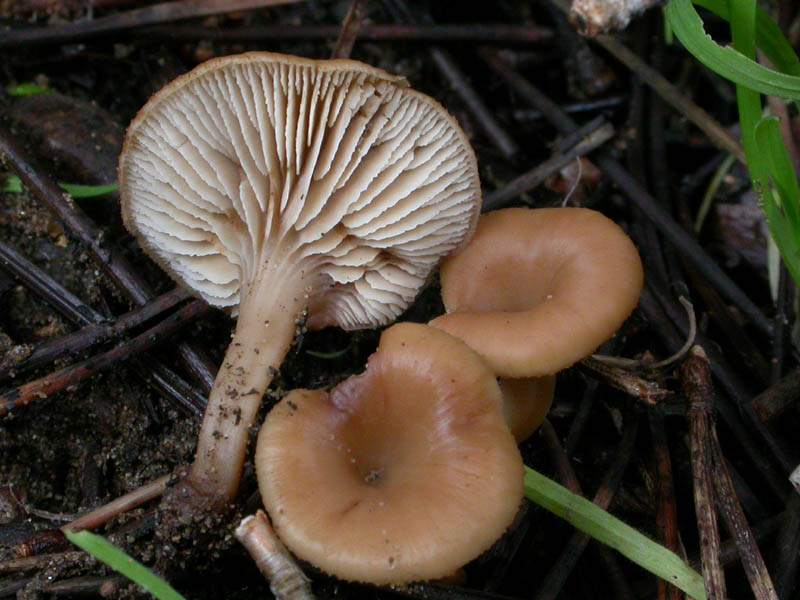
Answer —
671 328
286 580
468 32
649 393
736 523
150 15
103 252
55 382
698 392
131 500
74 309
533 178
97 333
728 552
779 397
685 243
28 563
350 28
697 375
458 81
705 122
737 391
565 563
666 508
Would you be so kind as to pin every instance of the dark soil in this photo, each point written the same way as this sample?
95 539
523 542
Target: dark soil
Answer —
79 448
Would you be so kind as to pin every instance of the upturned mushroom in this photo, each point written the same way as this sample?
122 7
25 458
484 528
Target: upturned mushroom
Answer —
403 473
536 291
273 186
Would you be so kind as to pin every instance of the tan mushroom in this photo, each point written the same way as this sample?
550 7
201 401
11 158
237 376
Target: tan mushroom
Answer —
403 473
538 290
273 185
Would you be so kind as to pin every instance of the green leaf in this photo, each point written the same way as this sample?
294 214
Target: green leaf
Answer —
13 185
593 520
727 61
115 558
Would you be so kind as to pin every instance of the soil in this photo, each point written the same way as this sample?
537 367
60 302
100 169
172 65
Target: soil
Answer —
107 435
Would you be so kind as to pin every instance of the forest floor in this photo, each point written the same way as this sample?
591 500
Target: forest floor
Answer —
65 452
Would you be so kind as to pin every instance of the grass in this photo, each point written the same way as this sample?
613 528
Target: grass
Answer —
13 185
105 551
771 171
606 528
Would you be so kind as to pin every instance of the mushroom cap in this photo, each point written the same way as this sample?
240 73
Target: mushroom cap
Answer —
538 290
403 473
333 166
526 401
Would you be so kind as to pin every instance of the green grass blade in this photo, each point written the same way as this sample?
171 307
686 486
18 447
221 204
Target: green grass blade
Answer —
115 558
13 185
27 89
783 211
727 61
769 37
602 526
77 190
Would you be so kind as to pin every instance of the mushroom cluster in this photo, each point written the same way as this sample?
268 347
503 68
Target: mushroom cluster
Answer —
410 470
278 186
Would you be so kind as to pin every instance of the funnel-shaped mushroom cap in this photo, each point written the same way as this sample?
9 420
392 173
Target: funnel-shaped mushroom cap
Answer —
538 290
403 473
334 167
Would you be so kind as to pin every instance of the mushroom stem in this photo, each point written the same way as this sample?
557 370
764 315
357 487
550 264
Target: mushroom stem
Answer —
269 314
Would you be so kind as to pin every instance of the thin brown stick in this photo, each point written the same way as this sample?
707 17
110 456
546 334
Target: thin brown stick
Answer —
75 310
736 522
698 392
55 382
103 252
129 501
670 94
779 397
29 563
667 511
697 374
350 28
533 178
150 15
496 33
97 333
647 392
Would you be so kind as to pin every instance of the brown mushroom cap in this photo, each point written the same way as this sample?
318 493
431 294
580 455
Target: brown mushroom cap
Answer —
526 401
537 290
403 473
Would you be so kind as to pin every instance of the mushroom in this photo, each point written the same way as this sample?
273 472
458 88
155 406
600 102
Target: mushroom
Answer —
274 185
537 290
526 401
403 473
